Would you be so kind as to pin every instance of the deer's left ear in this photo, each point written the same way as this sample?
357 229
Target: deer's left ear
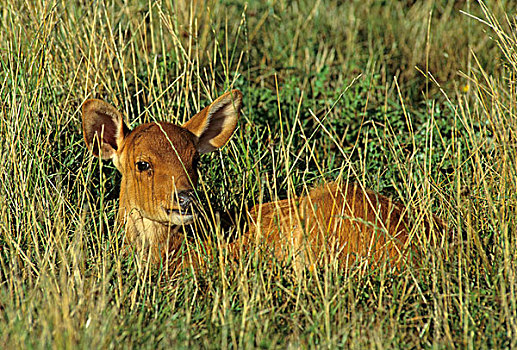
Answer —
215 124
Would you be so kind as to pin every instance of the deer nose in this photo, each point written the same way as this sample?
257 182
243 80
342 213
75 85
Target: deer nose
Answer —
185 199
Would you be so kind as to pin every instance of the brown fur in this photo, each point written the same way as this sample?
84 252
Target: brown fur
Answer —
335 222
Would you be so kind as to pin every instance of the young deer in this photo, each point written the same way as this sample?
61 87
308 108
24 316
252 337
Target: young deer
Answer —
158 164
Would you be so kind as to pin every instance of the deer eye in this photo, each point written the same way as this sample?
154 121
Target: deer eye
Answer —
143 166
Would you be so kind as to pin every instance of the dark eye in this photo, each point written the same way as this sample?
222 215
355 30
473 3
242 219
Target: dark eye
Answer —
143 166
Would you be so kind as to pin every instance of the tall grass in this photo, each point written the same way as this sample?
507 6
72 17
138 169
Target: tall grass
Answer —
413 99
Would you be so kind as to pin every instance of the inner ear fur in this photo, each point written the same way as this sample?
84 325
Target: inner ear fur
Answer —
103 128
215 124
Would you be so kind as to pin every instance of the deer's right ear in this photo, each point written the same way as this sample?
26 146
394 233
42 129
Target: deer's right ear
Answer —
103 128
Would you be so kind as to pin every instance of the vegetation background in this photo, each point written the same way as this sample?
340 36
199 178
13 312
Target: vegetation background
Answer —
414 99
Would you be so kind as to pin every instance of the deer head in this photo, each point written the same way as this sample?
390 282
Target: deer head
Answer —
158 160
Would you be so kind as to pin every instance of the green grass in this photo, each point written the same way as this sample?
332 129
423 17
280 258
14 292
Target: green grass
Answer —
414 99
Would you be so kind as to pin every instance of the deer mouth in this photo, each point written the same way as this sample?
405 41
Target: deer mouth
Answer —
187 212
180 216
